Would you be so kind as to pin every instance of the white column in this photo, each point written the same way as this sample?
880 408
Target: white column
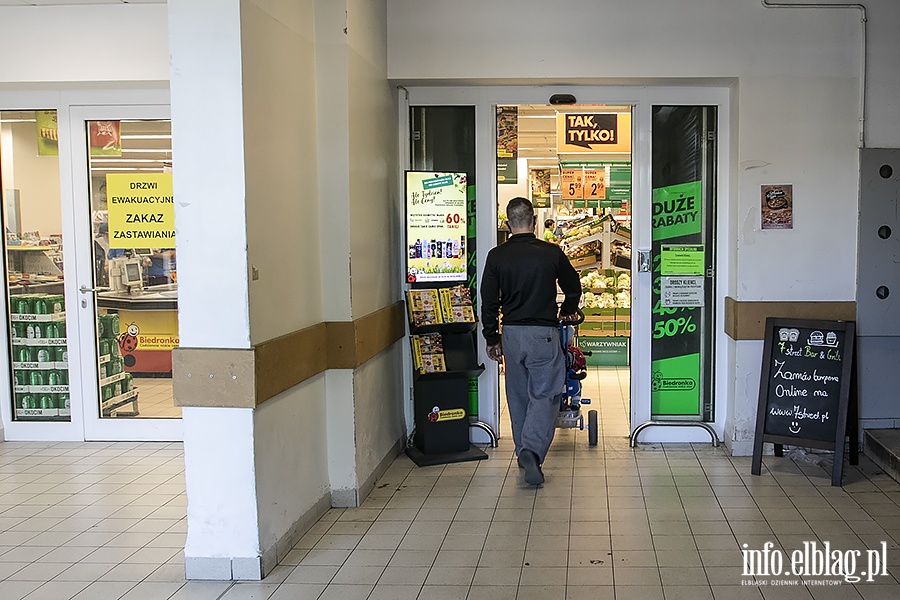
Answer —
208 178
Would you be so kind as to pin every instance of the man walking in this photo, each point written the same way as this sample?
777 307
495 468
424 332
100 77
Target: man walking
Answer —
520 278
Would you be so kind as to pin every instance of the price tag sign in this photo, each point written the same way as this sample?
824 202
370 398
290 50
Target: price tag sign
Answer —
571 184
595 184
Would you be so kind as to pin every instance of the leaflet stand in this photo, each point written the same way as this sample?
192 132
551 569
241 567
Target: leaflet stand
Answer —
441 399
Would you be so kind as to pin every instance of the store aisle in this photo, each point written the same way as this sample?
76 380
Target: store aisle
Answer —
155 400
665 522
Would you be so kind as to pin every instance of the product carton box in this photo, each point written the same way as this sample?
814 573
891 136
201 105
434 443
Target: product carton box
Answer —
583 260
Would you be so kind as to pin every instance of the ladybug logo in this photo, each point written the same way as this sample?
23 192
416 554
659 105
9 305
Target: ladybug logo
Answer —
128 342
433 415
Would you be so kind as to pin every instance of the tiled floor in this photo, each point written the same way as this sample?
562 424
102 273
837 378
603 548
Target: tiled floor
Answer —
104 521
155 400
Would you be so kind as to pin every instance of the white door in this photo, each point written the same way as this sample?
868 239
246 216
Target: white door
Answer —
124 297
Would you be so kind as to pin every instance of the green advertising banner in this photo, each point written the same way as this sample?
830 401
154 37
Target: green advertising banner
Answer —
674 385
681 255
676 211
506 170
675 350
605 351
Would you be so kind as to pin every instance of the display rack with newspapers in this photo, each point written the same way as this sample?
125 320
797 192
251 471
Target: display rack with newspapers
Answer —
435 306
428 353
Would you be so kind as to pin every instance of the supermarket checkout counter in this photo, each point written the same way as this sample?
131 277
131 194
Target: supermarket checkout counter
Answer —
147 327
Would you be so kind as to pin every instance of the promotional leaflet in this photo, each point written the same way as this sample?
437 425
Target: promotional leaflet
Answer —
540 187
435 226
47 132
507 143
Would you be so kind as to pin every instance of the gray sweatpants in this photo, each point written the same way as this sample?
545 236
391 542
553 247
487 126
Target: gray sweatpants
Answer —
535 380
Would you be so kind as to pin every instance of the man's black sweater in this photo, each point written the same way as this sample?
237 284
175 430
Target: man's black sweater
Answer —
520 276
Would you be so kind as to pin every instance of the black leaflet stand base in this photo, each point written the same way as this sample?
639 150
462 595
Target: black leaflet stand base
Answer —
441 399
427 460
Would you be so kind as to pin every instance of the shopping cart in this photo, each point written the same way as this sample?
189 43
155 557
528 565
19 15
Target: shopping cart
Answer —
570 415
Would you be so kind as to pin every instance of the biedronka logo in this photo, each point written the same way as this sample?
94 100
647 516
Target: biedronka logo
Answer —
658 383
812 561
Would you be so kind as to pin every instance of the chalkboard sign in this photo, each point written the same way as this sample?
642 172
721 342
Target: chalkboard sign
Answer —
804 390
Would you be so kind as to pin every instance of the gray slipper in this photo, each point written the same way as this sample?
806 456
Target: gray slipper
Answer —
529 462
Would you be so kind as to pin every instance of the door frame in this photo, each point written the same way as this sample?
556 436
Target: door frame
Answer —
96 427
77 258
641 98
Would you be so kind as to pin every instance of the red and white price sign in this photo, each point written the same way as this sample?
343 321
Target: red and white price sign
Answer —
571 183
594 184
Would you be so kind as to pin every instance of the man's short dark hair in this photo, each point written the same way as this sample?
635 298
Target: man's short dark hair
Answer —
520 213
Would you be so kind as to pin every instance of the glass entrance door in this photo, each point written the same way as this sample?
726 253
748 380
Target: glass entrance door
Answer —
683 259
127 284
657 337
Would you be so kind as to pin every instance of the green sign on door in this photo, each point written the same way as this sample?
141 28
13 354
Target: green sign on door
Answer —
680 348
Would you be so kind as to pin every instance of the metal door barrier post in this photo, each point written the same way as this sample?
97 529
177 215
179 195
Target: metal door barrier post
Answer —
646 424
487 429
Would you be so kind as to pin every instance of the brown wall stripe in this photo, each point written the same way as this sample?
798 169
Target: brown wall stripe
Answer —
747 320
235 378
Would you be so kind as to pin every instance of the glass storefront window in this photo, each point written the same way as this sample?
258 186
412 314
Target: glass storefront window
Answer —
134 266
29 179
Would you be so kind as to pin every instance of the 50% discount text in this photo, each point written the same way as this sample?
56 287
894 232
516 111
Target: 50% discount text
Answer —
673 327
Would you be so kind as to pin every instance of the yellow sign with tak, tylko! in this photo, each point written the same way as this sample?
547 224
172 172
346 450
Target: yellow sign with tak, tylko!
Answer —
140 210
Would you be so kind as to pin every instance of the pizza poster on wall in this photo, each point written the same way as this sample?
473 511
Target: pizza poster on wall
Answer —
777 206
436 226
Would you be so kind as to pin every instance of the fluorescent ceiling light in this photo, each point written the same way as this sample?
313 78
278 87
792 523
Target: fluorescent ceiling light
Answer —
18 120
148 136
96 160
127 168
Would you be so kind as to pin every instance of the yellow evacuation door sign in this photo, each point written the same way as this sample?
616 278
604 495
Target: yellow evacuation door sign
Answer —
140 210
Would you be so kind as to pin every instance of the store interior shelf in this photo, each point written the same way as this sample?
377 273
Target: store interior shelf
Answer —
594 265
57 317
113 378
616 236
581 241
115 402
